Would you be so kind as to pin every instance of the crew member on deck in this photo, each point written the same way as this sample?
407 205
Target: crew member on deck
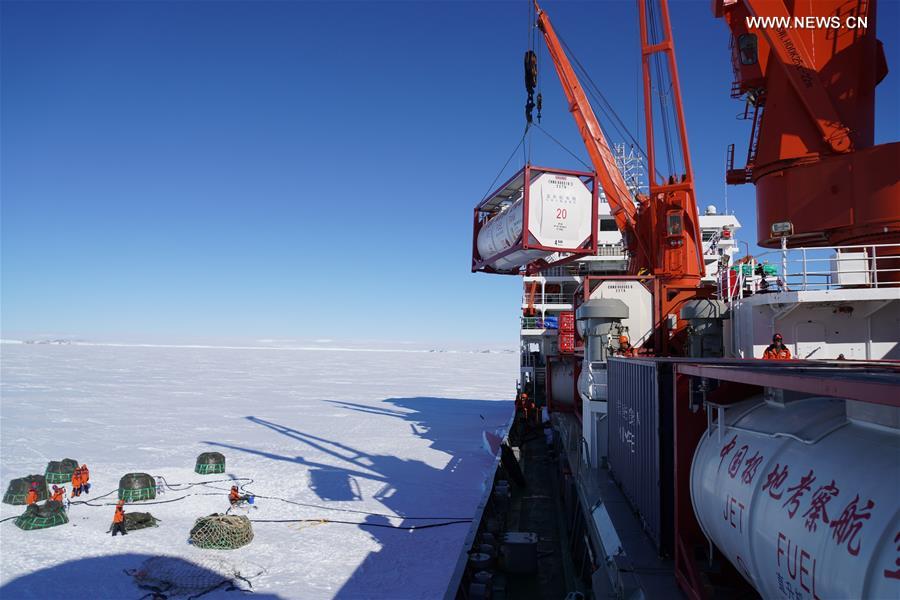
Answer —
777 350
625 347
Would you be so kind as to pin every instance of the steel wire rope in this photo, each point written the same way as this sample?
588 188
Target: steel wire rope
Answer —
661 89
243 487
364 524
506 164
603 104
564 147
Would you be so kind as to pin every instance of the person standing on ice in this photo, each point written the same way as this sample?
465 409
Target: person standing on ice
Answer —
76 482
118 522
32 496
85 479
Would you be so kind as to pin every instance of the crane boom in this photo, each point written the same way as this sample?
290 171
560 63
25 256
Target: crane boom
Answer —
621 204
661 231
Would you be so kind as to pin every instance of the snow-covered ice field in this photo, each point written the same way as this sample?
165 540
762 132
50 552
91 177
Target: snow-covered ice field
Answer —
390 432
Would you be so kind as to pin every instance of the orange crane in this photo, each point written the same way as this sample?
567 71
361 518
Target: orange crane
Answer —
810 94
661 230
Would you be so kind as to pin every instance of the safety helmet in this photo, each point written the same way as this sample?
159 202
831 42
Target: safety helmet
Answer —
777 337
55 488
623 339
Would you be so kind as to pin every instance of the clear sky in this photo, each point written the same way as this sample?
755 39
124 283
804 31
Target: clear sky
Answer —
190 171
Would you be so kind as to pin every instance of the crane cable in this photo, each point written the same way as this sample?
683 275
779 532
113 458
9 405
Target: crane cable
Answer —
663 89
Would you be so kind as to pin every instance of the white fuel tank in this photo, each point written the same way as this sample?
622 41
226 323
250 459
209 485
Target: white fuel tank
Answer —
559 217
804 502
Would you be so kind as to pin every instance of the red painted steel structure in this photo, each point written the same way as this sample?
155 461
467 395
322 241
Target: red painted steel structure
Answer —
661 231
487 209
811 93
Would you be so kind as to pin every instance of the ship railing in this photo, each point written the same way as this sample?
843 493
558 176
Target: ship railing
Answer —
532 323
549 298
570 270
812 268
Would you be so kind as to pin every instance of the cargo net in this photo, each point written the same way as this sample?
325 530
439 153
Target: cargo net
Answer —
221 532
139 520
42 516
210 462
135 487
170 577
60 471
18 489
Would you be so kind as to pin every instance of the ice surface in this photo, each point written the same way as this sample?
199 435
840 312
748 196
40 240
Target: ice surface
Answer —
398 433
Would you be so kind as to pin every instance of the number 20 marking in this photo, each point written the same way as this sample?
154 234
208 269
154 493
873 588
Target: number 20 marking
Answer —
561 213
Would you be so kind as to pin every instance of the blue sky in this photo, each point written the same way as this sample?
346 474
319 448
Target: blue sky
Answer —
194 171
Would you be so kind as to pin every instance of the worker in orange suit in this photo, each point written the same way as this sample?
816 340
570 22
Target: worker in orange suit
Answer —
58 494
32 496
85 479
76 482
777 350
118 522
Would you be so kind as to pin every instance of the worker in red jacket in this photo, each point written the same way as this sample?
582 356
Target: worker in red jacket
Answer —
777 350
32 496
58 494
118 522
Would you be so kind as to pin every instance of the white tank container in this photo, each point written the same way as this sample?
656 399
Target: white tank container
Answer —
559 217
640 307
803 502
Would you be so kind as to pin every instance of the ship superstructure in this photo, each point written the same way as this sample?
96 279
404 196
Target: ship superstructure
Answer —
687 465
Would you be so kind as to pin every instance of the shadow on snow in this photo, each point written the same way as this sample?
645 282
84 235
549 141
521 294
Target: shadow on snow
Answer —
106 577
410 488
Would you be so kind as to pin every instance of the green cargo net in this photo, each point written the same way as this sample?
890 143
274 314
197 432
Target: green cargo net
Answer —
134 487
221 532
50 514
18 489
60 471
210 462
139 520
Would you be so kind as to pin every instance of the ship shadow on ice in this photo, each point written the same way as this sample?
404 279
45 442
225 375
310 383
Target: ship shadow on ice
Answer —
410 487
109 577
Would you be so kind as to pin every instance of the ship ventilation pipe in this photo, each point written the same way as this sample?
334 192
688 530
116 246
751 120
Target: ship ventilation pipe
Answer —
704 319
595 318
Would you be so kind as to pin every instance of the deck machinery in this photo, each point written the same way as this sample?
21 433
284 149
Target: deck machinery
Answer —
695 468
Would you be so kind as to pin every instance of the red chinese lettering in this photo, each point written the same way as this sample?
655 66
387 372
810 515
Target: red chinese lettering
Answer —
849 523
737 460
895 574
750 468
798 491
731 504
820 498
774 481
726 449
